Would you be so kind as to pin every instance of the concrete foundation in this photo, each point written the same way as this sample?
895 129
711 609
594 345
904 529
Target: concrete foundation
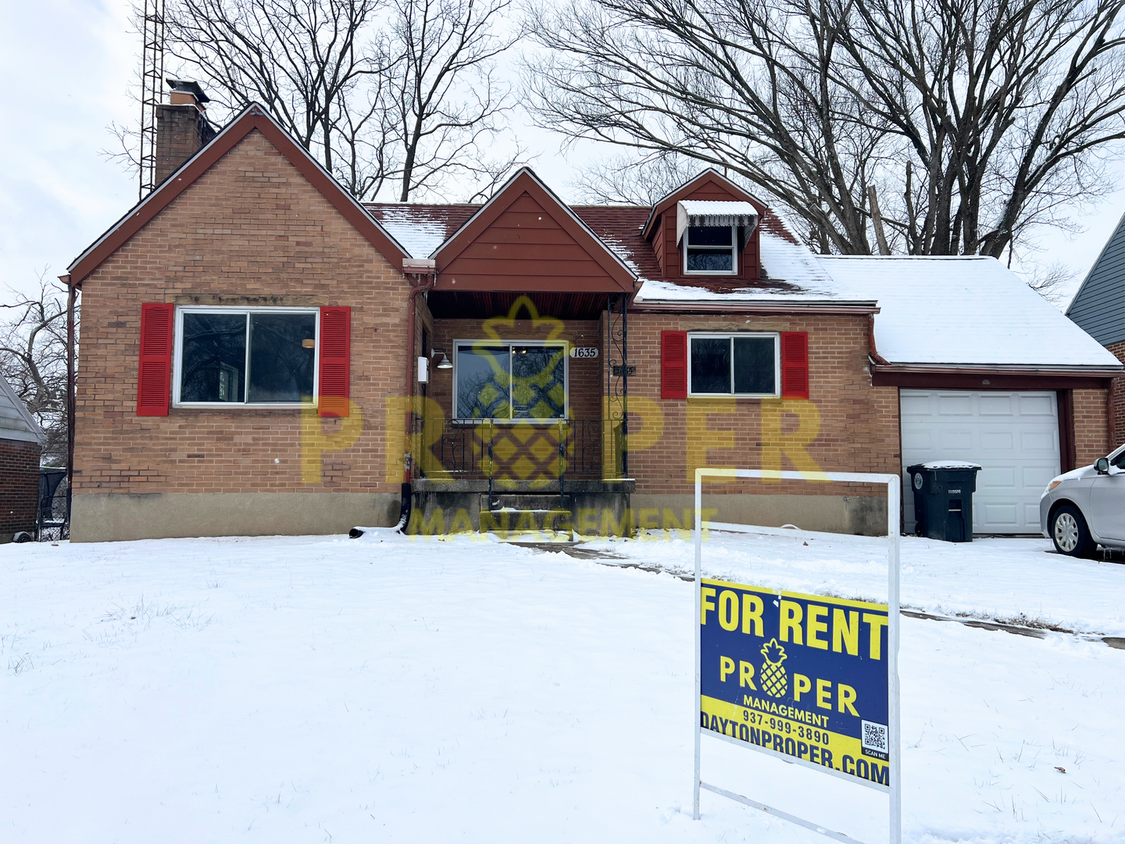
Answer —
851 514
100 517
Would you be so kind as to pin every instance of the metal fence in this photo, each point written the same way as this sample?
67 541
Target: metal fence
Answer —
53 520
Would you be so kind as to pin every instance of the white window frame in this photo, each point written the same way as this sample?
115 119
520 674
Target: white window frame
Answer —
177 357
733 252
731 336
512 420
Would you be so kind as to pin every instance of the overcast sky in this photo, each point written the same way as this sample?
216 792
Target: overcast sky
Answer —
67 67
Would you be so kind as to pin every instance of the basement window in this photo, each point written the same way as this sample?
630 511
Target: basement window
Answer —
242 356
710 250
510 381
744 365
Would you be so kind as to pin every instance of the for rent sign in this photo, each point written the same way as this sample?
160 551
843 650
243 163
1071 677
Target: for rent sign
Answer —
800 676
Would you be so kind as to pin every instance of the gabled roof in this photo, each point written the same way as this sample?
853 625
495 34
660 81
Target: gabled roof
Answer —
16 421
526 182
253 117
769 221
1099 305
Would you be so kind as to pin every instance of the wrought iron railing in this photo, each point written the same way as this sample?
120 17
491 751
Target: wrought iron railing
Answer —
520 451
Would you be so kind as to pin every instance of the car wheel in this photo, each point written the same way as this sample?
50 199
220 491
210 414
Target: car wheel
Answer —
1070 534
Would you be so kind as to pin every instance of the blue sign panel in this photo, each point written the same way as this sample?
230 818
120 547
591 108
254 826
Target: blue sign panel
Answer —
799 676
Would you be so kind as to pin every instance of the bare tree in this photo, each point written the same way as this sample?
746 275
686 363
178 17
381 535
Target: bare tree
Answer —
622 179
33 359
975 120
448 101
388 94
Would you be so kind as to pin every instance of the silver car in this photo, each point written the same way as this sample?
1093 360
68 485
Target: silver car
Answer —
1083 509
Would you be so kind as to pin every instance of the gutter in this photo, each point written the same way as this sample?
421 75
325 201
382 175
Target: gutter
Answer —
871 308
872 351
998 369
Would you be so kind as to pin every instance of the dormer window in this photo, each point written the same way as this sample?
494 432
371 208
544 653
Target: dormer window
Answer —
711 233
710 249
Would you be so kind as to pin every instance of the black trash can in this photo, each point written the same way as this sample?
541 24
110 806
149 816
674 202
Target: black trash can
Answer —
943 499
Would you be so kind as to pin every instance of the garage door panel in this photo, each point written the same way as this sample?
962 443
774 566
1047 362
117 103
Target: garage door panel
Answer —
997 478
1039 441
1013 436
997 405
956 440
997 441
1000 516
953 405
1040 405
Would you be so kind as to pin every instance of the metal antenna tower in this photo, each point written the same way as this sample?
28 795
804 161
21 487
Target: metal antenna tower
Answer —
152 81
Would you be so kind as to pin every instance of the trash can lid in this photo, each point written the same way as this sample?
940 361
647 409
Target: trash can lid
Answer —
949 464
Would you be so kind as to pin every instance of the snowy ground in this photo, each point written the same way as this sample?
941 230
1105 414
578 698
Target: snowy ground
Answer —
387 689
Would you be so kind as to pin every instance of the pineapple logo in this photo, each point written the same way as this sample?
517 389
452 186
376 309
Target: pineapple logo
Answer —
775 680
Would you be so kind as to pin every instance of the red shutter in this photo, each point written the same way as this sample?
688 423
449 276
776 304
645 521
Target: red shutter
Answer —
794 364
335 356
154 379
673 365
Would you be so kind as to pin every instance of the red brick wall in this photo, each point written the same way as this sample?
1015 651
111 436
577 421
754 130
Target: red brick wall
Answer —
859 424
19 487
1091 426
179 136
251 230
1118 398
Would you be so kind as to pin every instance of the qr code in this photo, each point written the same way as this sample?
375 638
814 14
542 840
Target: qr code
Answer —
875 738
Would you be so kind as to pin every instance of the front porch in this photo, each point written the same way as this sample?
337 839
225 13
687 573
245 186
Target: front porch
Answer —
523 419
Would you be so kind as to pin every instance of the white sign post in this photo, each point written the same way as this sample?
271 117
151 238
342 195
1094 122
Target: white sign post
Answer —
822 748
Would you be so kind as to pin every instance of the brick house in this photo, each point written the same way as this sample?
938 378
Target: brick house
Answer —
263 354
21 441
1098 308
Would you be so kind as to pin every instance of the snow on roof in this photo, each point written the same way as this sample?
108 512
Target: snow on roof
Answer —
792 272
16 421
419 236
963 311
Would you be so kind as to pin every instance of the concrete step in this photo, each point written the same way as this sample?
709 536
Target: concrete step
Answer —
524 524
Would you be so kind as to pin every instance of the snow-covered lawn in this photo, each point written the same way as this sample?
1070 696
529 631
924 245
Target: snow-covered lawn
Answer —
387 689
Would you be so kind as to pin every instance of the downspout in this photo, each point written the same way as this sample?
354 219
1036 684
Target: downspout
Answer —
71 294
1111 416
871 350
424 272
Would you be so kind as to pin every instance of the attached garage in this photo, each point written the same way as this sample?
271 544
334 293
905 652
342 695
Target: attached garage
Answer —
1014 436
987 372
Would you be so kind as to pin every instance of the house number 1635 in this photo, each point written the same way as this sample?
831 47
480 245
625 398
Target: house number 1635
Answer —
584 352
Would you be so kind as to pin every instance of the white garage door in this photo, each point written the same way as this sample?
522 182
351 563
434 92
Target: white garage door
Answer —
1013 436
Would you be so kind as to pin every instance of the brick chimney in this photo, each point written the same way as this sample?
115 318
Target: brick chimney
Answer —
182 128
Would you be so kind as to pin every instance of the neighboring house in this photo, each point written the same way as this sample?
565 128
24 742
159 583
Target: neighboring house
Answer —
21 441
1099 309
250 332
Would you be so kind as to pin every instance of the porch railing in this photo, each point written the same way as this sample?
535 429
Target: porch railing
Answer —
520 451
